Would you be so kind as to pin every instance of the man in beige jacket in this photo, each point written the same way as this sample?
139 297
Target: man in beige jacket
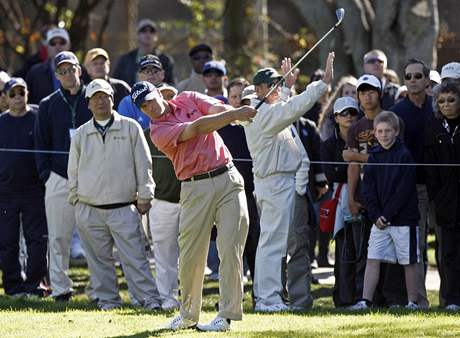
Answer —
110 184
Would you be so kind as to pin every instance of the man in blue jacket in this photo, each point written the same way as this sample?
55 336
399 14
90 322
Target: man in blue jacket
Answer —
59 115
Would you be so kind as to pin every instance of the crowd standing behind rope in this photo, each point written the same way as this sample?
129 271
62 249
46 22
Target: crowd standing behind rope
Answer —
227 172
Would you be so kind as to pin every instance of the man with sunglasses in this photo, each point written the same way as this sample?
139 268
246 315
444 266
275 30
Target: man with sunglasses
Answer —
150 69
147 41
60 114
41 79
199 55
21 196
276 158
375 63
416 109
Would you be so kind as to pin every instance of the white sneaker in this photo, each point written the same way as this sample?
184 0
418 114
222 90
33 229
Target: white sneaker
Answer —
280 307
412 306
179 323
453 307
218 324
361 305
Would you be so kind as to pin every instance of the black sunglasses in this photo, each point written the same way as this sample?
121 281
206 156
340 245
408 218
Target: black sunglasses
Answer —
348 111
55 43
449 100
416 76
12 94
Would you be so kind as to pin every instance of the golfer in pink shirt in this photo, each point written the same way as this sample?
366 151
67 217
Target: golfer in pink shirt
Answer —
212 192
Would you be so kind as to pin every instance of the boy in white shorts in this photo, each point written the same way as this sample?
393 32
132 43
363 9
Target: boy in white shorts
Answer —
390 197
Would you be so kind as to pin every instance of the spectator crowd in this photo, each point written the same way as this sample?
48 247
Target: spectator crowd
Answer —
104 167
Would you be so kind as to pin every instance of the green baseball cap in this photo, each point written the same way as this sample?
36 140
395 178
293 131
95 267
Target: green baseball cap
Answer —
266 75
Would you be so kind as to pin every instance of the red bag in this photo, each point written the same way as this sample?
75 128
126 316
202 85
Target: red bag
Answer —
327 211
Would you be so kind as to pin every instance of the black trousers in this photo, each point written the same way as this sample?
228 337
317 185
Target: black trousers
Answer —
450 265
29 210
253 233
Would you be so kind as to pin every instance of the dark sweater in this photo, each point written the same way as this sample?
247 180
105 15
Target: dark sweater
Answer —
18 171
390 191
331 151
52 129
415 120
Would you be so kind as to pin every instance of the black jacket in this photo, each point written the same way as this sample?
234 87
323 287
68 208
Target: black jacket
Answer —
391 191
126 68
443 182
52 130
120 90
331 151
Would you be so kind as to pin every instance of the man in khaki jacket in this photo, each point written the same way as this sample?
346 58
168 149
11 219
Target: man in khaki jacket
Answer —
110 184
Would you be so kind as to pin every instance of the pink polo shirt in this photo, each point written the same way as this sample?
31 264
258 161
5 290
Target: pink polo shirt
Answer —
195 156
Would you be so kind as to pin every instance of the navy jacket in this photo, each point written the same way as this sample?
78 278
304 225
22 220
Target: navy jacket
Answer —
390 191
55 119
18 172
415 120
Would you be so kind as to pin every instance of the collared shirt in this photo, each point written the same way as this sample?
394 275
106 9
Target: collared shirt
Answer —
197 155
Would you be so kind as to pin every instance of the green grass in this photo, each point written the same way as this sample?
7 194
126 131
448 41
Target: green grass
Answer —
79 318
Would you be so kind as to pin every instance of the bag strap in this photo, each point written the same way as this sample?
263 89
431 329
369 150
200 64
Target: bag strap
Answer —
338 191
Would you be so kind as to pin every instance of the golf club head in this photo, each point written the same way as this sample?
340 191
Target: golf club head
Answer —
340 13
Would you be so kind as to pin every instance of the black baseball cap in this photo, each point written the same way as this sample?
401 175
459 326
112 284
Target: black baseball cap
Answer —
149 60
200 48
266 75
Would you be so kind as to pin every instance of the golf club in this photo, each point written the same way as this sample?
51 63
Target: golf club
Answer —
340 13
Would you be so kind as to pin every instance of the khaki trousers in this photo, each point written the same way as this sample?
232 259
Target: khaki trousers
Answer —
220 199
60 216
100 230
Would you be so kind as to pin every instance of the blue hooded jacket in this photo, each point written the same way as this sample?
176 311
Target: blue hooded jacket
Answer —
391 191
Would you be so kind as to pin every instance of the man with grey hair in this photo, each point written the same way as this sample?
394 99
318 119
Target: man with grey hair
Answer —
375 63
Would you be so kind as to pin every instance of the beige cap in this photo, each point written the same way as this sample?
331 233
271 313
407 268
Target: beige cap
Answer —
94 53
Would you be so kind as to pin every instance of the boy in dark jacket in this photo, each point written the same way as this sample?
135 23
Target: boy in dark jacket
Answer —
390 197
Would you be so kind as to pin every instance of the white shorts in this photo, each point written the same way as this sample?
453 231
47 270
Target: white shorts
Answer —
394 244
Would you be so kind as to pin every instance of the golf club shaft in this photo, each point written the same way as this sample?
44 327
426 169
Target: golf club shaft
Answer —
277 83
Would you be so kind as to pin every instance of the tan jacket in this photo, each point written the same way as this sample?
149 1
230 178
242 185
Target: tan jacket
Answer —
115 171
193 83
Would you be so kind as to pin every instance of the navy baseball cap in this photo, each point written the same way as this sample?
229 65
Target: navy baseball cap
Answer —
63 57
149 60
214 66
14 82
144 91
266 75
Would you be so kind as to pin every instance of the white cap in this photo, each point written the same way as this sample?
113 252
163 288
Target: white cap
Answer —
435 77
4 78
57 33
370 80
401 90
450 71
345 102
98 85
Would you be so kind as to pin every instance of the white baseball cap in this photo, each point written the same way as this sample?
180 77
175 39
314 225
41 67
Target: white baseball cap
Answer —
345 102
57 33
435 77
370 80
450 71
98 85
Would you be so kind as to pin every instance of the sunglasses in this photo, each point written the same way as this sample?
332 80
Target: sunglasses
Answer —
348 111
449 100
147 29
416 76
70 70
56 43
201 58
374 61
13 94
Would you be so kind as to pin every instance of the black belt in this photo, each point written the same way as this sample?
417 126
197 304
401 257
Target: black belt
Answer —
113 206
210 174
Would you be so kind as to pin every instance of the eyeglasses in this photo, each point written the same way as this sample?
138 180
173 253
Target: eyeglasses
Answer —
13 94
450 99
416 76
150 70
70 70
348 111
59 42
